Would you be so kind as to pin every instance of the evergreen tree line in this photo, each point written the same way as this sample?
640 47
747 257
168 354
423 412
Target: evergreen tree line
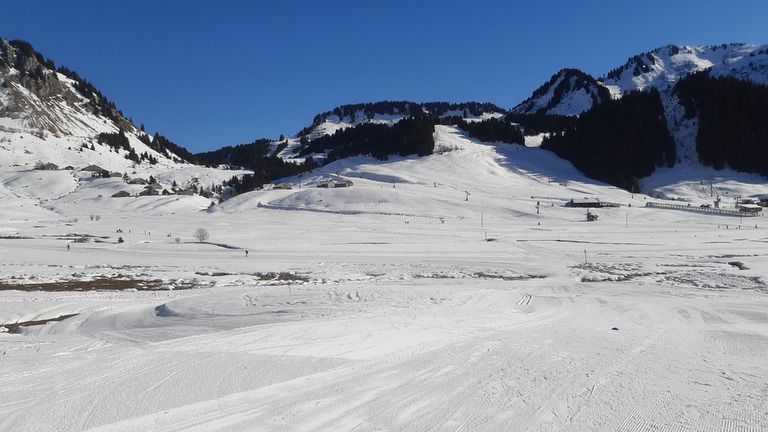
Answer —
116 140
119 141
267 169
618 141
534 124
167 147
732 115
404 108
242 155
254 156
489 130
474 109
412 135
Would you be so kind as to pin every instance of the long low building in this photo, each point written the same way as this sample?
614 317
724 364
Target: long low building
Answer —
589 203
750 208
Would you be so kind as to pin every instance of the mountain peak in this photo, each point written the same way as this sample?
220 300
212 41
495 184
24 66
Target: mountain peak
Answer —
569 91
572 92
39 101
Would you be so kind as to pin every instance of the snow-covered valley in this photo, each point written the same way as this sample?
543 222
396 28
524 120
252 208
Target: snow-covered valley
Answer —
451 292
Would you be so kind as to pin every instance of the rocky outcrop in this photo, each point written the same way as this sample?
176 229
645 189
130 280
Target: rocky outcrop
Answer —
38 97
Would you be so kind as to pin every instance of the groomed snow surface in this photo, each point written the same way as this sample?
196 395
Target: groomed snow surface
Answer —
431 295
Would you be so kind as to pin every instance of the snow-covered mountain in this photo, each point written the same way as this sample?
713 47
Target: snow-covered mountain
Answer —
572 92
453 291
54 116
59 136
663 67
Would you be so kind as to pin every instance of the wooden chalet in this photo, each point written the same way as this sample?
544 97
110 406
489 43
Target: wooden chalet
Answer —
93 168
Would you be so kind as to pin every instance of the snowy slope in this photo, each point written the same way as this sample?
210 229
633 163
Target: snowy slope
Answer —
21 151
400 303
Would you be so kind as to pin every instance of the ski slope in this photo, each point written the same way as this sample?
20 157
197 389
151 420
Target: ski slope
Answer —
431 295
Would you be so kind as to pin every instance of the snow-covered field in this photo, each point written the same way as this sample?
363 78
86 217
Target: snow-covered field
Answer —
431 295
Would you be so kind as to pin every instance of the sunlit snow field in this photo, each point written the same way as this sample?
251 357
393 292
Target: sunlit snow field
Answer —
431 295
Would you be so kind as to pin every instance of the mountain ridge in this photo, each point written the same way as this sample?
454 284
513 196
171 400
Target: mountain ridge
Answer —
39 102
660 68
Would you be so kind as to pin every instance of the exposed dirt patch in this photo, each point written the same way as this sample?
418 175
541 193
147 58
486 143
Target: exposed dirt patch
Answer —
270 276
484 275
99 284
14 327
477 275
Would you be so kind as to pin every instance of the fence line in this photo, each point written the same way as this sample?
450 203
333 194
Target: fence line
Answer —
703 209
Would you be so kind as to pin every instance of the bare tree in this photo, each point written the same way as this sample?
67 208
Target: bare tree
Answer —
201 234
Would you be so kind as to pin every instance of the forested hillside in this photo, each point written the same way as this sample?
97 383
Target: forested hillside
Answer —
490 130
733 125
618 141
357 113
412 135
254 156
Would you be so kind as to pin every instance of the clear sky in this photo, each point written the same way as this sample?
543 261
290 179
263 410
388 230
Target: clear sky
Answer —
208 74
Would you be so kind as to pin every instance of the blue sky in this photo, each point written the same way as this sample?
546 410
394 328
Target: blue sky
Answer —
210 74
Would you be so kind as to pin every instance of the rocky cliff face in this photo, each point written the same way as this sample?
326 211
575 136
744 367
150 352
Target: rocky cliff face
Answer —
50 114
33 95
27 71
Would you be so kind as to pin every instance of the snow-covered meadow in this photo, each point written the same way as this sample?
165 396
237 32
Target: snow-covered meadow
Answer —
431 295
